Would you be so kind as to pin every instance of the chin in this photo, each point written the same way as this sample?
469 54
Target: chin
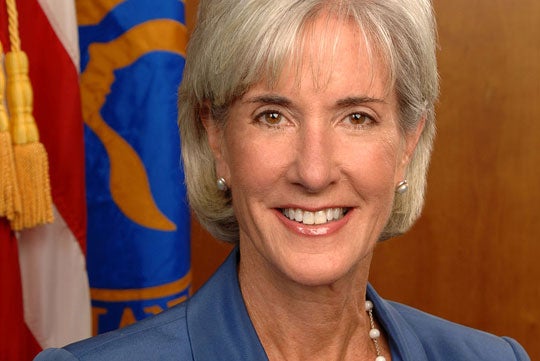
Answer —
313 272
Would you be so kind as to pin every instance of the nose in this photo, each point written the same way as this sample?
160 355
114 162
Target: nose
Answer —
315 165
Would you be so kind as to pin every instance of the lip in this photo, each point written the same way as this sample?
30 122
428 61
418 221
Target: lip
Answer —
315 230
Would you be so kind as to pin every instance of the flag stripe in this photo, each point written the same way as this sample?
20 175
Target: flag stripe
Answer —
61 19
53 269
57 110
16 341
55 285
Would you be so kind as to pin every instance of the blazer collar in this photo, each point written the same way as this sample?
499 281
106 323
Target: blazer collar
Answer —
404 343
218 324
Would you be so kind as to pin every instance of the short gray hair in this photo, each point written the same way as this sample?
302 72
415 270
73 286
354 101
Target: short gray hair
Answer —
237 43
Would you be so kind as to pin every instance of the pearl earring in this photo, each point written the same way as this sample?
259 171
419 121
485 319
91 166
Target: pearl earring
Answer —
222 185
402 187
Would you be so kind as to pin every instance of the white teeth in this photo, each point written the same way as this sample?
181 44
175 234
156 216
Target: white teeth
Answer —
308 218
298 215
318 217
330 214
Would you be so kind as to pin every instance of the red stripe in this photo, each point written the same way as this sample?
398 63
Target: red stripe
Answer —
4 26
16 341
57 110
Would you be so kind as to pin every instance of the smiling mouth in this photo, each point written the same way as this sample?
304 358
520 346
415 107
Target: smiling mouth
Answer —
319 217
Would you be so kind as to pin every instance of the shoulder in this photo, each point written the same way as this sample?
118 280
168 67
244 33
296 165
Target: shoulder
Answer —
445 340
166 332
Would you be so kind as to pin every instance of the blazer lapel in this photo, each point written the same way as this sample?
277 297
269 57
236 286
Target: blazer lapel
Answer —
404 343
218 324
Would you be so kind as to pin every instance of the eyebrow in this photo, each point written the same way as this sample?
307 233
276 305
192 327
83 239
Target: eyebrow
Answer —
354 101
341 103
270 99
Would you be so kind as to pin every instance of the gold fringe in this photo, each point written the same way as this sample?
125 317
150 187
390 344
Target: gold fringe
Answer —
31 162
33 176
10 201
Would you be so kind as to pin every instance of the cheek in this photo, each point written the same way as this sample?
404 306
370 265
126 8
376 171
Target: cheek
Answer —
372 167
255 164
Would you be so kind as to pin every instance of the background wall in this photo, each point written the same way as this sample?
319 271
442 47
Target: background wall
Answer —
473 257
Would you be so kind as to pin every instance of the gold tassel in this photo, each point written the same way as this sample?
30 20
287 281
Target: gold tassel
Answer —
10 201
31 162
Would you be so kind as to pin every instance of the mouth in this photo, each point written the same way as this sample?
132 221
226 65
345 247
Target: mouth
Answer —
322 216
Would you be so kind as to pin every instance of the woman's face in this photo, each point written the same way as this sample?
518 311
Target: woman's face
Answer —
313 162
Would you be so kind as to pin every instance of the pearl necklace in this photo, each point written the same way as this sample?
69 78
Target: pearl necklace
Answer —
374 333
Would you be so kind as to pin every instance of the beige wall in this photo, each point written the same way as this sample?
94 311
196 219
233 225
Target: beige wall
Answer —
474 255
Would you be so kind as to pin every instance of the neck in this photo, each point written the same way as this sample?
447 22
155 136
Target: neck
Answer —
299 322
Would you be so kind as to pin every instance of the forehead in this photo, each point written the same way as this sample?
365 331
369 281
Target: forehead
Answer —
331 49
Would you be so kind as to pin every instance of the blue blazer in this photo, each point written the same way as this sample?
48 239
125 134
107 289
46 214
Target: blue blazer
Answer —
214 325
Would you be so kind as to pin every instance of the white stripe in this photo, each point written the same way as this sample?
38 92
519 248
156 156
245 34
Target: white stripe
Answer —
55 284
63 19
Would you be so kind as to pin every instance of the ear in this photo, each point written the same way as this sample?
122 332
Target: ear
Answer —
215 135
411 140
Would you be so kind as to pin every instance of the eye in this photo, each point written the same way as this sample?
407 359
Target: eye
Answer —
359 119
270 118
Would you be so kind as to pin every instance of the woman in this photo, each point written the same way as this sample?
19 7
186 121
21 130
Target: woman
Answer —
306 132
